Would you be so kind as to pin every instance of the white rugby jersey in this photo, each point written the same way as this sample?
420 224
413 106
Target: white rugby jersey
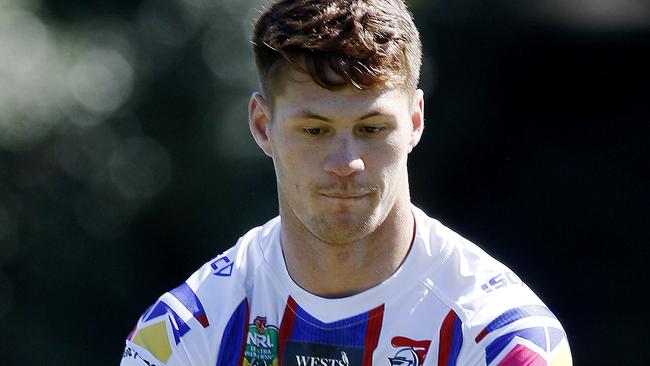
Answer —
449 303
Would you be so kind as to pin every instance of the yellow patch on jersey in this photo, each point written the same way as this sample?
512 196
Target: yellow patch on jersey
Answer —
561 356
246 363
155 340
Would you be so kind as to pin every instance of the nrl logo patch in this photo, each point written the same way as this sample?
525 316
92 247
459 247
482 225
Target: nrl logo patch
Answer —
261 344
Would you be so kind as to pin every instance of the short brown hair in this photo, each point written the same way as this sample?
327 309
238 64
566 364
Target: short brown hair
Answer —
365 43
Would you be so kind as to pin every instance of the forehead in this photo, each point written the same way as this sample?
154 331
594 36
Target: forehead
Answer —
299 94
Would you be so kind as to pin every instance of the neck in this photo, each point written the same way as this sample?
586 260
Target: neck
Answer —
344 269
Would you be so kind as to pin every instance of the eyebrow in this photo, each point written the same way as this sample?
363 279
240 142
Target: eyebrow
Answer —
371 114
311 115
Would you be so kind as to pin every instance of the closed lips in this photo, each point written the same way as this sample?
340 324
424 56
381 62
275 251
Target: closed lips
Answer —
344 195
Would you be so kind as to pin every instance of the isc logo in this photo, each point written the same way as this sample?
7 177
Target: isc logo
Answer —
222 267
500 280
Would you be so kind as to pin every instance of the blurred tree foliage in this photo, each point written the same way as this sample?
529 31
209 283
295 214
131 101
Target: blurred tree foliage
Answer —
126 161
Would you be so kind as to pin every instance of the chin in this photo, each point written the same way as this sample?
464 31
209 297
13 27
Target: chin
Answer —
342 227
342 237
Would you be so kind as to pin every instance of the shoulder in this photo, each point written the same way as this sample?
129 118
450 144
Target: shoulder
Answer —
498 315
203 319
461 274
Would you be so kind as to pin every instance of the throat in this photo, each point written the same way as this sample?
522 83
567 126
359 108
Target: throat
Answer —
341 270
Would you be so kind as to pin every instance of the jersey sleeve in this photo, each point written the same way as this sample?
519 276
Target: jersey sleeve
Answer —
524 333
200 322
495 319
166 335
203 321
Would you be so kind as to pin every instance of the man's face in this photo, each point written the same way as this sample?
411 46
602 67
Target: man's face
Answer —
340 156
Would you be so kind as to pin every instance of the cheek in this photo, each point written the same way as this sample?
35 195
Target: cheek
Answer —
391 158
294 165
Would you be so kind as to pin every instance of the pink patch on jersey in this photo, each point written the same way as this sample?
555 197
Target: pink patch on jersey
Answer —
130 336
522 356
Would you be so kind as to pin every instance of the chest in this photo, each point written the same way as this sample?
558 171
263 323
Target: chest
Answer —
410 328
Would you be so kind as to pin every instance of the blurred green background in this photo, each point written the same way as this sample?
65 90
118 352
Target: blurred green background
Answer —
126 161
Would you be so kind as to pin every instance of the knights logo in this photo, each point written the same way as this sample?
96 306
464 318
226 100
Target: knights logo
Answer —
405 357
410 352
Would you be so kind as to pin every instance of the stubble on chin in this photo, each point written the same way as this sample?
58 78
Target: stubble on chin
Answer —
337 231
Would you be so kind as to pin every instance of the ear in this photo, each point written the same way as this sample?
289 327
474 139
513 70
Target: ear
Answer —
417 118
259 122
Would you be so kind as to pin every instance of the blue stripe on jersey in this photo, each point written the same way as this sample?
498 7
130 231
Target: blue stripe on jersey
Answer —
179 327
188 298
518 313
456 340
146 312
232 341
536 335
350 332
451 339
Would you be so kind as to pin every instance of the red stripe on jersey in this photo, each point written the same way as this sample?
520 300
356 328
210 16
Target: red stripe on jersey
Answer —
375 320
203 319
446 338
482 335
243 341
286 327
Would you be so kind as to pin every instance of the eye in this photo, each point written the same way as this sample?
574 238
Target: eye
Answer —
372 129
315 131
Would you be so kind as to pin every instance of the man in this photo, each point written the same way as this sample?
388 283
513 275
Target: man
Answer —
350 273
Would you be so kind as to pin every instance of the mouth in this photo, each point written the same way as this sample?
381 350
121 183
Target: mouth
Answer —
345 195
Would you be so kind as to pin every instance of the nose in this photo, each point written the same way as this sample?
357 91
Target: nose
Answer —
344 159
